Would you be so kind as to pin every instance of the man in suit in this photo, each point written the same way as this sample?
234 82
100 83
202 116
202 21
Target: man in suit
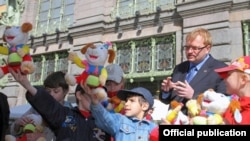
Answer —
196 74
4 116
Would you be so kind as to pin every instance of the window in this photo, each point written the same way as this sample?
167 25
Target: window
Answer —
164 56
145 61
127 8
246 37
2 2
37 75
48 63
143 57
54 14
150 54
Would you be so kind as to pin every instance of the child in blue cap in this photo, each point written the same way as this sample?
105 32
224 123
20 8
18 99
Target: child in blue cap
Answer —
132 125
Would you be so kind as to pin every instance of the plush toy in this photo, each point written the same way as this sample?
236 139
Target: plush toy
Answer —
175 116
213 105
117 103
16 38
213 102
193 107
95 74
30 132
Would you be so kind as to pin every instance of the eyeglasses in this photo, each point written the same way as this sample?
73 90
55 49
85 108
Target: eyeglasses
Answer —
194 48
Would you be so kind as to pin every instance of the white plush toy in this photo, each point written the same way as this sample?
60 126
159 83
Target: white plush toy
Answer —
215 102
94 74
17 51
212 106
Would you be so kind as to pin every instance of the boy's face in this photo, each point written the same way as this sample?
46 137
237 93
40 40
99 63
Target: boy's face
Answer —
112 86
133 108
58 93
84 101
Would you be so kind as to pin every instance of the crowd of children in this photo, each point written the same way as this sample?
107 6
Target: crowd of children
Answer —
90 120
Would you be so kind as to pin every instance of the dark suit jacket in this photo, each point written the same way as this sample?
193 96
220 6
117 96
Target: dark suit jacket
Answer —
4 116
205 79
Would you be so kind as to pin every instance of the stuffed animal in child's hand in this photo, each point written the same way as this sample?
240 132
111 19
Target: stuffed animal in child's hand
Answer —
19 57
96 56
30 132
95 74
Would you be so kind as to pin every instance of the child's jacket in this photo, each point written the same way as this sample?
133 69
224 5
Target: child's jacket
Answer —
68 124
121 127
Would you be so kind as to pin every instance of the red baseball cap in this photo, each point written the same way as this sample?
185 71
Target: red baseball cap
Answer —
241 64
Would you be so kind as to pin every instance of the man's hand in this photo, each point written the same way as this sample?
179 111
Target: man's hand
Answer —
167 84
183 89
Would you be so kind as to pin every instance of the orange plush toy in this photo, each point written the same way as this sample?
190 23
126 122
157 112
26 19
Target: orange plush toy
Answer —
16 38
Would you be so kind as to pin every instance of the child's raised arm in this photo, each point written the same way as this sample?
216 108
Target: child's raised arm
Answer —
23 80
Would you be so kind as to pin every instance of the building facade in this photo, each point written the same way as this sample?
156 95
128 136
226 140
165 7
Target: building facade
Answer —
147 35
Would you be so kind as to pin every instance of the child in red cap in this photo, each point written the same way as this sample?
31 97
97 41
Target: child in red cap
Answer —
237 79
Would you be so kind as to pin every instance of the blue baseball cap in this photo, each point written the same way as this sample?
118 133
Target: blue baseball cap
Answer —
123 94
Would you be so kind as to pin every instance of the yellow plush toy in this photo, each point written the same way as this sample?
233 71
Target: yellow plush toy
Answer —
16 38
175 116
94 74
193 107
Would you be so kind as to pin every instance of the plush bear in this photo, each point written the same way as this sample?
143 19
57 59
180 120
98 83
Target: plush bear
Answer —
30 132
16 38
94 74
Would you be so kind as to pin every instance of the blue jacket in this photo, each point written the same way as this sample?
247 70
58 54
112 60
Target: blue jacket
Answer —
67 123
121 127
